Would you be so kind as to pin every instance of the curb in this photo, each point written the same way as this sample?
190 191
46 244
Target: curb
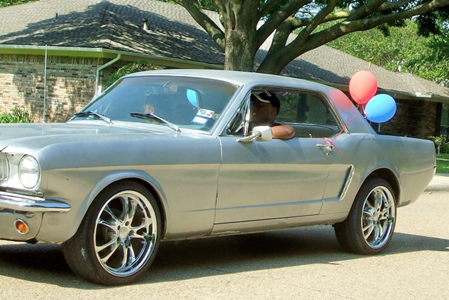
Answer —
439 183
436 188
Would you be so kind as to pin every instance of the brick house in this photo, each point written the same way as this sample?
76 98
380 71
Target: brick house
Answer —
54 57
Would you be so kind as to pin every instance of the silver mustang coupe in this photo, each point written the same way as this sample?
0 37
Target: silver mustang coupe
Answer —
176 154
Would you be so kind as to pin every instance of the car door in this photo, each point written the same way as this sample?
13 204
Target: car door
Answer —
279 178
266 180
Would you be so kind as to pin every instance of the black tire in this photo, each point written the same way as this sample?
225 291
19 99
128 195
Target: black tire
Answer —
369 227
118 237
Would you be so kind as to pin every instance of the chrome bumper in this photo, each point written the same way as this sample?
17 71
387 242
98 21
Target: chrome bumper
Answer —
24 203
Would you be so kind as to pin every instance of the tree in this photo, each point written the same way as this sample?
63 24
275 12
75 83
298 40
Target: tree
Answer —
247 24
137 66
14 2
402 51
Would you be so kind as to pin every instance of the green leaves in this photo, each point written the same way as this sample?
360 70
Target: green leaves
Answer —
133 67
402 51
14 2
17 115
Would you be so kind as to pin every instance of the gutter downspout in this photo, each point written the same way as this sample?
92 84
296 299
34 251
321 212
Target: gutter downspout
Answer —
99 69
45 84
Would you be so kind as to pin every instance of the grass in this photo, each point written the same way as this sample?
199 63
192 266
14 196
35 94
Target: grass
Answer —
443 165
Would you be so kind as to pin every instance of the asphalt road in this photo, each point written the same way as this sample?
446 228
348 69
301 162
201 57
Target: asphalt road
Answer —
305 263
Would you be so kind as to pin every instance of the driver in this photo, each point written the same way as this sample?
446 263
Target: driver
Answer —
157 104
148 108
265 107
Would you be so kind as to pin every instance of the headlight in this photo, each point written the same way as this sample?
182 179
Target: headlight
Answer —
29 172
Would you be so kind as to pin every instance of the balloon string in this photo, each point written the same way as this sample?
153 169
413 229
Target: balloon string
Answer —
363 108
330 142
344 127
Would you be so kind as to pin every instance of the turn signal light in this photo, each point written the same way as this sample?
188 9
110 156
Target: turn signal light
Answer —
21 226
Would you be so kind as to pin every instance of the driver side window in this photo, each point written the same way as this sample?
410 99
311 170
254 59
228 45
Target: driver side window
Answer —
307 112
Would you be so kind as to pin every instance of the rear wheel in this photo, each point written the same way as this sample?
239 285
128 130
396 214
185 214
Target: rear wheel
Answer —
118 238
371 221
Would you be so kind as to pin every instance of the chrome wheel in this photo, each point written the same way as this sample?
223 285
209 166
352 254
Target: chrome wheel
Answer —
378 219
369 227
125 233
119 236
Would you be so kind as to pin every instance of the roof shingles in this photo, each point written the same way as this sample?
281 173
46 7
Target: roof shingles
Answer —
172 33
112 24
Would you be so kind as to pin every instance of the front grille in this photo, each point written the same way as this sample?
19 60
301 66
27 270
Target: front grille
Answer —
4 168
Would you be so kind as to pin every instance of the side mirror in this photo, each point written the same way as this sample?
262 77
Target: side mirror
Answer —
259 133
264 133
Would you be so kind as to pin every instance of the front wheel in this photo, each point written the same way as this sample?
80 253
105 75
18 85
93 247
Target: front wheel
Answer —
118 238
370 224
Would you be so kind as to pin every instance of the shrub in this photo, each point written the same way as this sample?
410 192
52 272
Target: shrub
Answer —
444 148
14 2
16 116
133 67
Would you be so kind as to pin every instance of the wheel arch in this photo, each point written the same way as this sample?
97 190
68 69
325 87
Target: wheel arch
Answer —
156 194
390 177
139 177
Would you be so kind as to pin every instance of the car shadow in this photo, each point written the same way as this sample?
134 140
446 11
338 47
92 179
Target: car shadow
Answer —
209 257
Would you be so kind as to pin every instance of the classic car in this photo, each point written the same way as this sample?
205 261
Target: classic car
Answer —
174 154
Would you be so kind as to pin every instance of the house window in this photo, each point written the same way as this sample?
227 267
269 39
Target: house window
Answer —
444 120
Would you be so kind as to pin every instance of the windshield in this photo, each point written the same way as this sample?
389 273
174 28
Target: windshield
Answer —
194 103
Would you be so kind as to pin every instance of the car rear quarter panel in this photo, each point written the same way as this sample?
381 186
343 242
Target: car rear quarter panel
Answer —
409 162
414 160
406 163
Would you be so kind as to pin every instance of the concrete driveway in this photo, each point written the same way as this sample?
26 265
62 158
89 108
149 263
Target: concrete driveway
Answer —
305 263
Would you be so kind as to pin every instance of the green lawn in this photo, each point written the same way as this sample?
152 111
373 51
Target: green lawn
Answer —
442 165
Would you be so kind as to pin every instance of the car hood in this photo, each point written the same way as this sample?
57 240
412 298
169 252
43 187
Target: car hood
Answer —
37 136
91 144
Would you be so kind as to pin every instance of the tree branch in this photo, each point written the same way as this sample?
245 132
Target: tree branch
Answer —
344 28
296 23
204 21
310 24
275 20
331 4
299 46
267 6
394 5
366 9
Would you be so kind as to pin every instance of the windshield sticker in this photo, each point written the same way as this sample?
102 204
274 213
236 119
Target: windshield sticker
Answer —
205 113
200 120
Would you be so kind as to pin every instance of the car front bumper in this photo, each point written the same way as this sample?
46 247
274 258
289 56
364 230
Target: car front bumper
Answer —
21 216
31 204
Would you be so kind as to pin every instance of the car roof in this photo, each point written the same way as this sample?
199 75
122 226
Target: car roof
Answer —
239 77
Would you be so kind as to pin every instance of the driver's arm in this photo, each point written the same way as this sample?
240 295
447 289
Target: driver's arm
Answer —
283 132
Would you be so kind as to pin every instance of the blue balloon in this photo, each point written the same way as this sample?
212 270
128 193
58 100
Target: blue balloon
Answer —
192 97
381 108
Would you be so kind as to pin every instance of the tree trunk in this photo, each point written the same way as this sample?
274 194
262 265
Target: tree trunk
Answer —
272 66
239 19
239 51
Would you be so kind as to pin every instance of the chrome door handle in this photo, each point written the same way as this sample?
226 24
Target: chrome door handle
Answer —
326 148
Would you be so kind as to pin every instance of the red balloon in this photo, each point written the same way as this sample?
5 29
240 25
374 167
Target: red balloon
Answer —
362 87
